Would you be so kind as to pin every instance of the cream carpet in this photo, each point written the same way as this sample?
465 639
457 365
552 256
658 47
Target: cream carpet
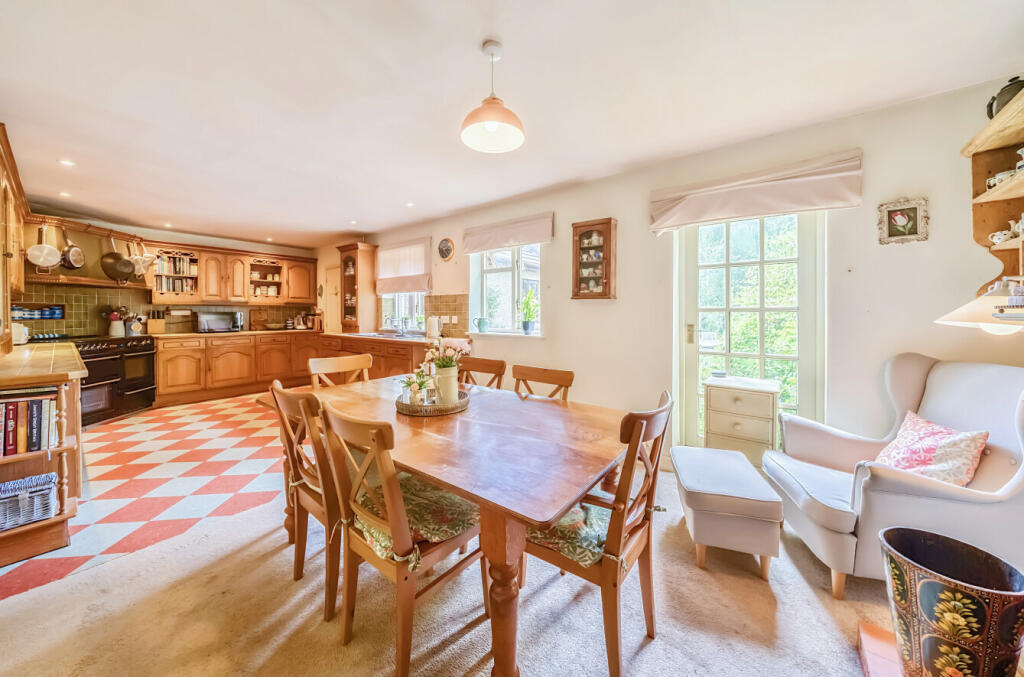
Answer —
220 600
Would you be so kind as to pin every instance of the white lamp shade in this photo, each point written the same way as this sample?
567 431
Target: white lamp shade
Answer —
978 313
492 128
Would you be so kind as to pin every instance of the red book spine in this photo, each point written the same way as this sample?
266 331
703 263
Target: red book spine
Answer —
10 428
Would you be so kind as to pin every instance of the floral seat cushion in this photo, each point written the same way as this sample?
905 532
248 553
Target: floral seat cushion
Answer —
435 515
579 535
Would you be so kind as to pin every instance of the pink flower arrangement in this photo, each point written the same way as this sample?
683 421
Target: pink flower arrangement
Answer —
445 357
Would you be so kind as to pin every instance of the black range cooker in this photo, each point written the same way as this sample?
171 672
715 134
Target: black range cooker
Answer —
121 376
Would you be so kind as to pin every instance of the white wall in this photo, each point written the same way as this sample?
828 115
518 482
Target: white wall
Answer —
881 299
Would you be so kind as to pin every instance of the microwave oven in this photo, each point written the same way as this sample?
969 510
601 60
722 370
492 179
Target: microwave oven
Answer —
215 322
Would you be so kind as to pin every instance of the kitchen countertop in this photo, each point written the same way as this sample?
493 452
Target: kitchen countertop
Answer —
261 332
41 363
410 338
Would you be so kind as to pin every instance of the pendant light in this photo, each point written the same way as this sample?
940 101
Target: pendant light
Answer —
492 128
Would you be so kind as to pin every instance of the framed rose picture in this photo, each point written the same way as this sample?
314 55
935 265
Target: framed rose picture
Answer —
903 220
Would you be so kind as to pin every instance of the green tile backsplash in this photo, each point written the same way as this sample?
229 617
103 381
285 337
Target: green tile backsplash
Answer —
82 306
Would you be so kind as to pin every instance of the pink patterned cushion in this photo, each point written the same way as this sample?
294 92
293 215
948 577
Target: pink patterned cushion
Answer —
932 450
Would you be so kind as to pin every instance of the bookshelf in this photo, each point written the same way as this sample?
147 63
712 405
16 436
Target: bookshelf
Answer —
175 276
43 373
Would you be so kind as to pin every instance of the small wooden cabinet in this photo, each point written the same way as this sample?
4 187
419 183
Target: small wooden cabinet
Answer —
358 293
237 271
175 276
273 358
304 348
740 414
593 259
300 281
212 277
266 280
180 365
231 361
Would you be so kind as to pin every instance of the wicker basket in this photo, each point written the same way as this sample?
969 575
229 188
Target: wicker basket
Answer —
29 499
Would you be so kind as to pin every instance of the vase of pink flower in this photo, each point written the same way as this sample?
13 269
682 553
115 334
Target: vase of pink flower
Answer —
446 371
415 386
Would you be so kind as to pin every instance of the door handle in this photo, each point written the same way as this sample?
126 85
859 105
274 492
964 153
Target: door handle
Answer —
101 383
151 352
97 359
138 390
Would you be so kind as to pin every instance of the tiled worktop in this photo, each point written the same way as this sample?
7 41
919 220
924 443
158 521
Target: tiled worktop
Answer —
34 363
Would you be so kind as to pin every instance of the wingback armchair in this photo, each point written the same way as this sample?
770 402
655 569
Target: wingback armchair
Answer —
837 498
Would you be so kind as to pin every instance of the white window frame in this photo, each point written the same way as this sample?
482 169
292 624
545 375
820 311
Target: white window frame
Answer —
412 326
811 319
517 288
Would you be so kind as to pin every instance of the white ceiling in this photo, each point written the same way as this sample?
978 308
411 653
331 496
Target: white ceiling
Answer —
290 118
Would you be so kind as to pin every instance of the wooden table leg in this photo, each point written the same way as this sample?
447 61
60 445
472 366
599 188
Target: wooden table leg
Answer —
503 540
610 482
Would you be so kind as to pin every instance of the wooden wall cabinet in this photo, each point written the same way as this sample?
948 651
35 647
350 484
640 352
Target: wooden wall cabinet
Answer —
212 277
175 276
13 212
358 292
266 280
593 259
180 365
300 281
231 361
237 270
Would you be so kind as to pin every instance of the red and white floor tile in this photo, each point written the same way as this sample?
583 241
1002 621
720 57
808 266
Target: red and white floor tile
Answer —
158 474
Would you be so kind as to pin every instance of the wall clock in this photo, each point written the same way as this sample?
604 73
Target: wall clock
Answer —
445 249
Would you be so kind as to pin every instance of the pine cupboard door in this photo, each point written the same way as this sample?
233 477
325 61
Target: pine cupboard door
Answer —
273 361
212 273
231 365
180 371
300 279
302 350
237 271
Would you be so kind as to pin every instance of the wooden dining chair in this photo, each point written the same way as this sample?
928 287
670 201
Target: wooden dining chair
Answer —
562 380
351 368
605 535
403 526
311 485
481 365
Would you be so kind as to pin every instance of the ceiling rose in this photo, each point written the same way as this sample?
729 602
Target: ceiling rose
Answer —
492 128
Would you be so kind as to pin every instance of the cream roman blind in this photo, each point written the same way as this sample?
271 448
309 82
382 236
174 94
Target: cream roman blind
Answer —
536 229
830 182
404 267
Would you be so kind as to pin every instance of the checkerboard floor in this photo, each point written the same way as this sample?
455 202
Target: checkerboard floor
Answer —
158 474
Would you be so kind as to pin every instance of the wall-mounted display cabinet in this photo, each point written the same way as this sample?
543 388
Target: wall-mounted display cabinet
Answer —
593 259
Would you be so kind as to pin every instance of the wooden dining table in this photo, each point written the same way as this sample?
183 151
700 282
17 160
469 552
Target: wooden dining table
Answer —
524 460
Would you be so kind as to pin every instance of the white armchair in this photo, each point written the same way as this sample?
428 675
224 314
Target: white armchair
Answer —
837 498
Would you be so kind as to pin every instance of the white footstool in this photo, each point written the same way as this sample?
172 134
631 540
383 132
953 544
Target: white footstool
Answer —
727 503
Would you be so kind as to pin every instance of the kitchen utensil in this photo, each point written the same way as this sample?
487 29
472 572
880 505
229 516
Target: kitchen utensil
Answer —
42 255
115 265
136 259
71 257
274 325
1004 95
116 328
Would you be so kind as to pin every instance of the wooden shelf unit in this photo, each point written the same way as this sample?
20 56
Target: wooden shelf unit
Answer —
994 150
35 538
175 268
593 259
358 296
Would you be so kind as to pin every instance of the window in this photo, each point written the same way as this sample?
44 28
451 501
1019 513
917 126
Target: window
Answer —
403 310
507 277
752 295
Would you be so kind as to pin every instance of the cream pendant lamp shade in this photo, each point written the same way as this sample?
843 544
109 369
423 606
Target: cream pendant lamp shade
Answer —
492 128
980 312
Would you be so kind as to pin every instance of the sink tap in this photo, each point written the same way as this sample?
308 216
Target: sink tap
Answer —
400 329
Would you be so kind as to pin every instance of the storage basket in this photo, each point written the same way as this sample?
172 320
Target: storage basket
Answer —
29 499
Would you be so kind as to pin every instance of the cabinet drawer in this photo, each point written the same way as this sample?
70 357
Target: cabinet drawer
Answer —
735 425
752 450
398 351
171 344
264 340
331 343
350 346
231 341
740 402
305 338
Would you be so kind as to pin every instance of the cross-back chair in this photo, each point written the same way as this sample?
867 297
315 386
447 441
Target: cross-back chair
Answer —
403 526
602 538
350 368
481 365
562 380
310 483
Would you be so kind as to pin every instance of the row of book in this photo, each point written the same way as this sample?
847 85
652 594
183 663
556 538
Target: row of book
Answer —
176 265
29 425
185 285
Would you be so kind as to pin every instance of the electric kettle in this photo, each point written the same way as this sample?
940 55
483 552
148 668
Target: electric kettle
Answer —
434 327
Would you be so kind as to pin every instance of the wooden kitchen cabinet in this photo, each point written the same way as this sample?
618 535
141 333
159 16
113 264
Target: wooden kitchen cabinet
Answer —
212 276
358 288
231 361
304 348
593 259
237 271
273 357
180 370
300 281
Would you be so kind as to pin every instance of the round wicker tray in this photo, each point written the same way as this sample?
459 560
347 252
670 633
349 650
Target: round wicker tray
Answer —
433 409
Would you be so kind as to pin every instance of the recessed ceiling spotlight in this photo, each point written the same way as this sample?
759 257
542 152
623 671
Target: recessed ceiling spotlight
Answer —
410 204
67 163
270 239
352 222
64 194
168 225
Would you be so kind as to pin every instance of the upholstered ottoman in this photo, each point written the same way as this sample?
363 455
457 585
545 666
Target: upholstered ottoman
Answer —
727 503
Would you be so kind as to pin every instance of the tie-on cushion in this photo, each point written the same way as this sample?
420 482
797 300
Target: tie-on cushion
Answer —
580 534
435 515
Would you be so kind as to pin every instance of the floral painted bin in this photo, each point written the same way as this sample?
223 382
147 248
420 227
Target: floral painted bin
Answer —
957 611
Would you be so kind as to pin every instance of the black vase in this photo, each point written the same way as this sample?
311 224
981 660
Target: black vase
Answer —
957 611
